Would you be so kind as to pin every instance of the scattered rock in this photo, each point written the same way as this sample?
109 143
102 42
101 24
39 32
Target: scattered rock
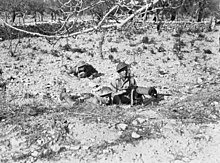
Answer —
35 154
162 72
161 49
78 50
200 35
121 126
105 151
134 122
113 50
179 161
145 40
141 120
152 114
199 80
207 51
32 112
152 51
120 133
75 148
92 84
135 135
109 39
215 103
85 147
55 148
40 141
176 34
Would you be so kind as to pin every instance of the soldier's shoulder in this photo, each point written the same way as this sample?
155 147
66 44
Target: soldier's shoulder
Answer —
94 100
133 77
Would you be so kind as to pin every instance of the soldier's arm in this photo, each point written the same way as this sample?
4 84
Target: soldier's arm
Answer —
116 90
133 82
93 100
91 71
72 70
114 86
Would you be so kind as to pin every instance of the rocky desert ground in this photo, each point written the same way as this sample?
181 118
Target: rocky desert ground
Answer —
182 126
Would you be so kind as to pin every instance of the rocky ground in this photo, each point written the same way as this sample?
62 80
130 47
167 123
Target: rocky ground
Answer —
182 126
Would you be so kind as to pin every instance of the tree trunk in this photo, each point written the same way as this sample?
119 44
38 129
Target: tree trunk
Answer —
23 17
6 16
173 15
55 16
42 17
13 16
219 43
35 18
200 15
101 42
51 14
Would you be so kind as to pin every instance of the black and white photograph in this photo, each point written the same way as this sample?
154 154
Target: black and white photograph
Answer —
109 81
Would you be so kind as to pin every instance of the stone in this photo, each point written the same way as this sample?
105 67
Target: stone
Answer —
135 135
199 80
134 122
85 147
178 161
215 103
122 126
55 148
120 133
40 141
35 153
75 148
141 120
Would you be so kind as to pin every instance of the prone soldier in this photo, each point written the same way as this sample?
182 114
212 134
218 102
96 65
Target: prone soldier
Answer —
102 98
83 70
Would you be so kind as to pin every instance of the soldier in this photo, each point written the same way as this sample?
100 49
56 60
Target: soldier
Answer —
126 89
84 70
103 97
66 97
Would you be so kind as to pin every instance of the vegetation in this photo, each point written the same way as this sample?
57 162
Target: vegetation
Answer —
194 8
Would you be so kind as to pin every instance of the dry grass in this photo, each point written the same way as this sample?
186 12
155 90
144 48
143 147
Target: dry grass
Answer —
36 127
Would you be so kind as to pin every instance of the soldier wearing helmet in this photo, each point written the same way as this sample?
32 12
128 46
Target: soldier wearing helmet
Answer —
123 84
83 70
102 97
126 89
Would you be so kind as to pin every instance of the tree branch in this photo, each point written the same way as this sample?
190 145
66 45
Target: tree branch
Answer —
106 15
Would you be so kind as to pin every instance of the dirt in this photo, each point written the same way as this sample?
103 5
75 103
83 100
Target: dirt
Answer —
183 126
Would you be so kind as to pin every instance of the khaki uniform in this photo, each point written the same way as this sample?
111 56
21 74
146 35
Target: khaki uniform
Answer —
83 98
84 71
125 86
97 101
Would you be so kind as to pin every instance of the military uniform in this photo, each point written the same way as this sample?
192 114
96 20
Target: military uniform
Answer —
126 89
83 70
101 98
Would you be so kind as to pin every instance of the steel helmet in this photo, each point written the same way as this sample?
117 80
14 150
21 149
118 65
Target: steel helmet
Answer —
121 66
105 91
81 64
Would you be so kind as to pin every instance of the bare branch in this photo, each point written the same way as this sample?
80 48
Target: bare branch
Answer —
100 24
57 36
142 9
106 15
